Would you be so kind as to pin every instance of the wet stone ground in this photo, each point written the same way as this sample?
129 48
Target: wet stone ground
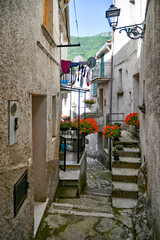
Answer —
89 217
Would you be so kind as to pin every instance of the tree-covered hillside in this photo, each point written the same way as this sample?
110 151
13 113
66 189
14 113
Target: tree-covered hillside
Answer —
89 46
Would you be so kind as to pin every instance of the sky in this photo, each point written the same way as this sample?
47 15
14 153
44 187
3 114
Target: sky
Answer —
90 17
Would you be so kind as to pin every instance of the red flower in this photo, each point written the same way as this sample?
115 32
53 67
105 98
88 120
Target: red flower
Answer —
112 130
132 119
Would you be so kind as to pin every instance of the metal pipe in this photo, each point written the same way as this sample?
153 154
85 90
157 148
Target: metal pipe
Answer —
64 154
78 126
84 106
69 45
71 94
110 112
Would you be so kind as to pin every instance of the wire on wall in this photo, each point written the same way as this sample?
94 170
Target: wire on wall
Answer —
76 20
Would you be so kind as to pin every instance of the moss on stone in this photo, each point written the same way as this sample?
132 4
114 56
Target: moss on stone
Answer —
44 232
116 211
82 183
106 176
60 229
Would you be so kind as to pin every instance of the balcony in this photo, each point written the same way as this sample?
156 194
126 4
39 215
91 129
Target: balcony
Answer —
101 73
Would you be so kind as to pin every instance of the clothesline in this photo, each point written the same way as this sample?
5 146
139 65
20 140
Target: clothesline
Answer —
81 74
66 65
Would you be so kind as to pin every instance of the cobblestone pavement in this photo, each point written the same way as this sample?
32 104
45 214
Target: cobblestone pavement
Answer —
89 217
98 177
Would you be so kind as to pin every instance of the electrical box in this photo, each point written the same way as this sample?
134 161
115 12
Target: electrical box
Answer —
13 122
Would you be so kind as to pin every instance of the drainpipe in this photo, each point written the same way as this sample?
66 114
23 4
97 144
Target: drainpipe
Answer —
78 127
111 90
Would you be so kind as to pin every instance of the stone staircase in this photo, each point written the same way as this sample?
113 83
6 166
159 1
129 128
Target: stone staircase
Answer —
125 173
72 180
89 205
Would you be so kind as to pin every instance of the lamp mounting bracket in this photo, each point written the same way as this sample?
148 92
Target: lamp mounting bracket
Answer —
134 32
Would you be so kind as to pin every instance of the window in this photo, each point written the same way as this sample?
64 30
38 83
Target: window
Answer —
120 79
102 66
48 15
94 89
54 116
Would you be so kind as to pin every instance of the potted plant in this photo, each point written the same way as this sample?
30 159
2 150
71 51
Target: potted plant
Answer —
74 124
89 102
88 126
65 125
120 125
132 119
115 153
119 146
112 131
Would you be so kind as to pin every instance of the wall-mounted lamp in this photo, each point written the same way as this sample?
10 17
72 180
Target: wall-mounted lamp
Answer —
132 31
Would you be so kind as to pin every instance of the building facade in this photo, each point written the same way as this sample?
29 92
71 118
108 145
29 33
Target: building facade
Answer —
136 88
30 110
149 180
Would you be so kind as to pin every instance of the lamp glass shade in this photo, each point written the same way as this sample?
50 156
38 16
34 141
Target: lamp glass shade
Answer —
112 15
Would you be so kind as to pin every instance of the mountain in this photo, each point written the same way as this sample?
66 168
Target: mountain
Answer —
89 45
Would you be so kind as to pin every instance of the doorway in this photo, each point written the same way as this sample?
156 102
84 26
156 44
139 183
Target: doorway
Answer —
39 106
136 92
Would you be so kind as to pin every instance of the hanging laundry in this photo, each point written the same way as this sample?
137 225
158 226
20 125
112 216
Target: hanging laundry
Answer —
87 79
84 72
78 76
74 64
65 66
82 67
81 81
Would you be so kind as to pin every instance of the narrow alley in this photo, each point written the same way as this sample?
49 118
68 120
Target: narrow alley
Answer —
80 120
90 216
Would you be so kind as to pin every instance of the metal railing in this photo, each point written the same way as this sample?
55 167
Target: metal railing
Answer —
72 146
63 148
110 141
101 71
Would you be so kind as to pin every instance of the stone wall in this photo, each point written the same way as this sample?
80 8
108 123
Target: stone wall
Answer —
149 214
142 229
26 72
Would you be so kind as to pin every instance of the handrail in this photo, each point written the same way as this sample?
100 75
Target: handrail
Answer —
64 165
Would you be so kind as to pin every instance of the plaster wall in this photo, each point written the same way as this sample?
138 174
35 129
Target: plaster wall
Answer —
26 71
129 15
127 66
150 121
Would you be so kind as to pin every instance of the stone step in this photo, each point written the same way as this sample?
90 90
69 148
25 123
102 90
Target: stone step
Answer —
88 200
81 207
130 152
84 213
72 165
124 202
96 192
124 190
124 175
68 183
69 177
67 191
127 144
127 162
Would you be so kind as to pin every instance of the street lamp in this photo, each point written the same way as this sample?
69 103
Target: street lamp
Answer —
132 31
112 15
